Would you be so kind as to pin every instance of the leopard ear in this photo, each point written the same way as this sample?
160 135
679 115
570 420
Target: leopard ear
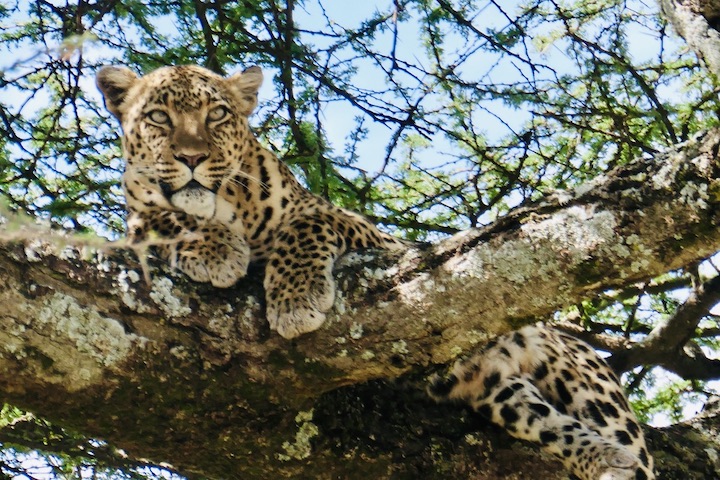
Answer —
246 85
114 83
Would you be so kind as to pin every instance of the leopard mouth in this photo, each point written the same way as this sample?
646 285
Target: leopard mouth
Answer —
195 186
194 199
168 191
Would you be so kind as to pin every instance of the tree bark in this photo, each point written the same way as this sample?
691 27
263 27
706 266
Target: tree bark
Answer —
192 376
697 21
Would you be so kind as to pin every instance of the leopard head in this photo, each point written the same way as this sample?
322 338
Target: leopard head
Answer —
185 131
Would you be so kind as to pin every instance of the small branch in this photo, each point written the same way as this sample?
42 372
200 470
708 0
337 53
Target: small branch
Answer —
667 344
212 61
396 26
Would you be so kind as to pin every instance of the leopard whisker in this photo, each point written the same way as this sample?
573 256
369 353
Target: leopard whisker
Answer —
252 179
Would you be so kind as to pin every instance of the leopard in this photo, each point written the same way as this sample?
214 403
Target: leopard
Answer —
548 387
202 190
209 198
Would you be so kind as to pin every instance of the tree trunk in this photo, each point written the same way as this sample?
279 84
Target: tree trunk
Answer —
192 376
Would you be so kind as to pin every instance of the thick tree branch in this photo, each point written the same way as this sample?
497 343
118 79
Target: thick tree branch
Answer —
697 22
165 368
686 360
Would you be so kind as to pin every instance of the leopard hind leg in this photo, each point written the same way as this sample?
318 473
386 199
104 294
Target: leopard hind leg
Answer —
500 382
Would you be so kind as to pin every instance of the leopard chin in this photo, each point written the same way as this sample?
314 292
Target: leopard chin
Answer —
195 200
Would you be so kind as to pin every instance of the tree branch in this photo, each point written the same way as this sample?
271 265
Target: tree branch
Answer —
211 56
667 344
192 375
697 21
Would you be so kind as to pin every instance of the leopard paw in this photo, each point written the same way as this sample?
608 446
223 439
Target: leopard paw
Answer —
220 261
228 265
295 322
302 309
620 464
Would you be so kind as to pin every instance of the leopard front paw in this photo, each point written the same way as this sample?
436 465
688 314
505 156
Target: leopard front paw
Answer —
294 322
300 306
219 259
222 271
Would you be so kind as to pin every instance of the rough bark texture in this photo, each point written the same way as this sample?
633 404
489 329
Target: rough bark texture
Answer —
191 375
697 21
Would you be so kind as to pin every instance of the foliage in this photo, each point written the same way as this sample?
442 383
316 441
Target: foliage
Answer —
430 116
453 126
669 399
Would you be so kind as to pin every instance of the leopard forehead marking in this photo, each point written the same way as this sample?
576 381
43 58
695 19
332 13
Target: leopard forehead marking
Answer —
185 89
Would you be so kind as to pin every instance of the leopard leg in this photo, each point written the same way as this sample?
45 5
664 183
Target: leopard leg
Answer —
299 285
585 387
204 251
518 406
552 389
213 254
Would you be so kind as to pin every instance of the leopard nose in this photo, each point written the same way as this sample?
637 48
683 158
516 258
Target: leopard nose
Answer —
191 161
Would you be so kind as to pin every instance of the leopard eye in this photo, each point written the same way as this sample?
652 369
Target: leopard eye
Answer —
158 117
217 114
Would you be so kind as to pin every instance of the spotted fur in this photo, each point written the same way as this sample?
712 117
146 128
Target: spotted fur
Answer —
211 198
548 387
